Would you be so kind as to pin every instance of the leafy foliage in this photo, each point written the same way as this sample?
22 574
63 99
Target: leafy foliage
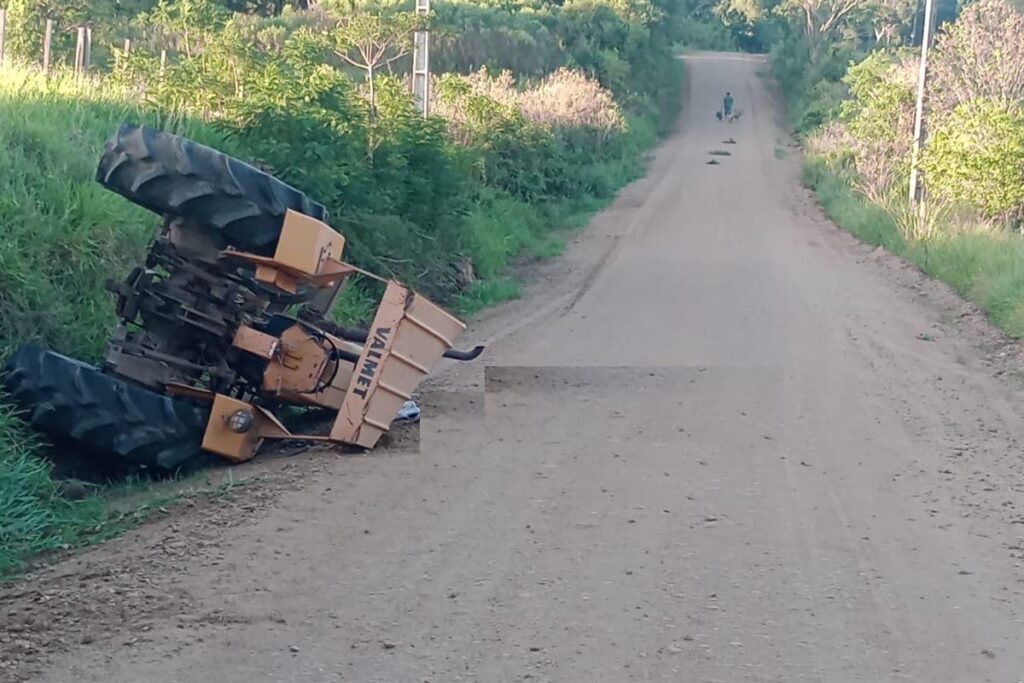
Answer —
26 20
979 57
879 118
864 117
821 20
371 42
977 158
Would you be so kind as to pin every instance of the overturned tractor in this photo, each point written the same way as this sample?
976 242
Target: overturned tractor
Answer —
226 321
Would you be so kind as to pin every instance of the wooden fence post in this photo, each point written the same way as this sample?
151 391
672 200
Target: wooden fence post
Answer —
3 33
47 44
88 47
163 61
80 50
127 46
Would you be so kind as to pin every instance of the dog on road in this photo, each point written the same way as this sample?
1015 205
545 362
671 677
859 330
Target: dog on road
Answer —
730 117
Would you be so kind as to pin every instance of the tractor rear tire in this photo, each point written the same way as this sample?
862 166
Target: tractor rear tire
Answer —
171 175
123 427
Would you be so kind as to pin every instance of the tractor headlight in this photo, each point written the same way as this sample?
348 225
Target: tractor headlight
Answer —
240 421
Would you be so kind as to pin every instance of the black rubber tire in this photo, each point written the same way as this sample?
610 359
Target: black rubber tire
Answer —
171 175
123 426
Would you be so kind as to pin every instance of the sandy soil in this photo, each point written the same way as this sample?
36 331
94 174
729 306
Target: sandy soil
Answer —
718 440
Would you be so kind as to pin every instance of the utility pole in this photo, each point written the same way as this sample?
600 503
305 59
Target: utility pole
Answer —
421 62
926 35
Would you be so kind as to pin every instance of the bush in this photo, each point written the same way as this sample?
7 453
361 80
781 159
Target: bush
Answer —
466 38
977 158
26 21
879 120
869 222
813 96
978 57
569 99
559 138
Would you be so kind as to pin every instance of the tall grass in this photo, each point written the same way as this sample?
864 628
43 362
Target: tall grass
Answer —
34 517
984 265
868 222
63 234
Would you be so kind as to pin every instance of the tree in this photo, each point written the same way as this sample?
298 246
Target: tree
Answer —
26 20
263 7
741 19
371 42
188 22
980 56
892 21
749 11
975 158
268 8
821 20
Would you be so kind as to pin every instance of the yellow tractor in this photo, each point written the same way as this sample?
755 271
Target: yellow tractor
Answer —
226 321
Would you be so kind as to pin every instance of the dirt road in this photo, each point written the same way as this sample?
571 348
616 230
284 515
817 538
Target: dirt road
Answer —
720 441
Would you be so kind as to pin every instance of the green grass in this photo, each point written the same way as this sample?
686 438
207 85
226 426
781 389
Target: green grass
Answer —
850 211
574 214
356 305
781 153
498 229
549 247
64 234
986 267
485 293
36 518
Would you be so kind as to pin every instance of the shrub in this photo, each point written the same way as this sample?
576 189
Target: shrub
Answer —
979 56
977 158
879 119
570 99
26 20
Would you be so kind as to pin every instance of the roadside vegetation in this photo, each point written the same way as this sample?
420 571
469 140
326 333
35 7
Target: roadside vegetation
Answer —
541 111
849 69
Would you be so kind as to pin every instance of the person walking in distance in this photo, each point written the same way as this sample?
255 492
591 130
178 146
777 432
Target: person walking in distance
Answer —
727 106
